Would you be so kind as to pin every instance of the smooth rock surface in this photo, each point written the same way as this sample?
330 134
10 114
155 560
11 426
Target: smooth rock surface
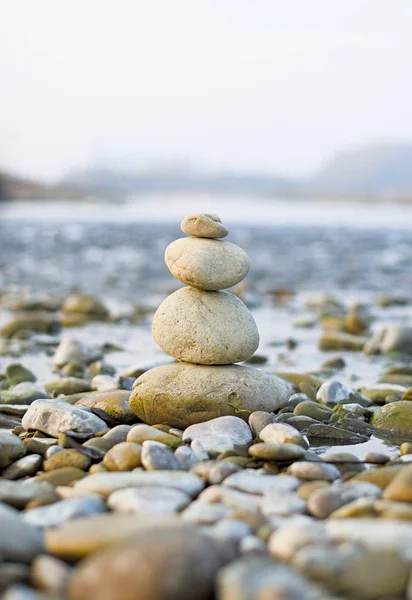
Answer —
20 493
169 563
207 328
220 434
276 452
260 578
390 338
159 457
281 433
207 264
55 514
24 467
152 500
11 448
332 392
204 225
141 433
125 456
106 483
396 417
18 541
312 471
182 394
113 402
54 417
76 539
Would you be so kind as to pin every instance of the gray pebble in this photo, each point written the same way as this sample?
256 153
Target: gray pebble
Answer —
159 457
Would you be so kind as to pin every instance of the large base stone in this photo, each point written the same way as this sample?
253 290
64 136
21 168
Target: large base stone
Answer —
182 394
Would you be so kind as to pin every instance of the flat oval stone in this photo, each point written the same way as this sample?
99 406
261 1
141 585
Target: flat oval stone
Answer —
181 394
218 435
313 471
281 433
277 452
24 467
151 500
11 448
207 264
206 328
55 514
106 483
204 225
54 417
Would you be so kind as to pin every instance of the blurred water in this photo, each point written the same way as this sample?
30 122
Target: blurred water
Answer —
117 250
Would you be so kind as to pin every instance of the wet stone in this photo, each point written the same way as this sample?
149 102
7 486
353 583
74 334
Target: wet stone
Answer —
314 410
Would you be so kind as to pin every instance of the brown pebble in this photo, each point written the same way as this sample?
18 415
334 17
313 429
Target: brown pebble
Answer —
67 458
405 448
123 457
98 468
50 574
62 476
307 488
44 500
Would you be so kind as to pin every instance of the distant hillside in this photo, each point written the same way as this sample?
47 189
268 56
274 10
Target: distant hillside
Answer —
19 188
381 170
106 181
376 171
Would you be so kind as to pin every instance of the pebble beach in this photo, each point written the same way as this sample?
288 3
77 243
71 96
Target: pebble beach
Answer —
222 411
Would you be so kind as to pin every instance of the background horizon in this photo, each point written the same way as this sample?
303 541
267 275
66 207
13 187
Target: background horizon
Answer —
237 86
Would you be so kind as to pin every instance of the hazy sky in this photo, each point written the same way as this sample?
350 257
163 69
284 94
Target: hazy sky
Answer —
265 85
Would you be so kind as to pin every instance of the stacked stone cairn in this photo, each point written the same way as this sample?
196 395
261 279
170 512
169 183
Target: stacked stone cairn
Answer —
207 330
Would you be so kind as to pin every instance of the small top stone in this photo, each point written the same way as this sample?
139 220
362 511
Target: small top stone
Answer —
204 225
